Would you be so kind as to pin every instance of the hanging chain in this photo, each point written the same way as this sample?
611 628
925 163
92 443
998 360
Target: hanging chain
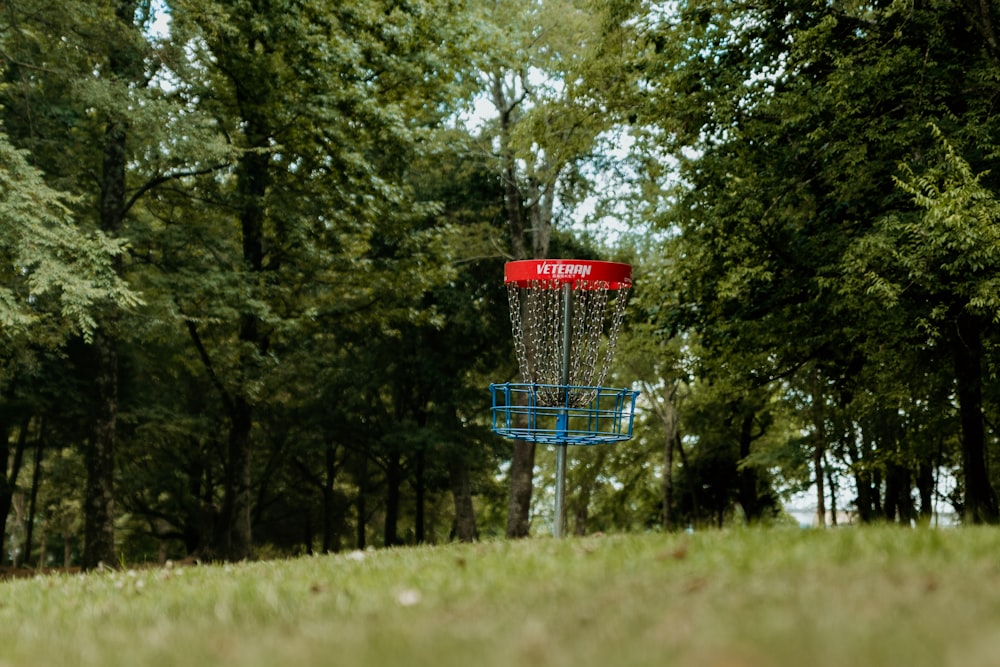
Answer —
621 300
536 314
517 329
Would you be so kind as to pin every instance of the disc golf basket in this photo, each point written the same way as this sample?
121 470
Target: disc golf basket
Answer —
560 311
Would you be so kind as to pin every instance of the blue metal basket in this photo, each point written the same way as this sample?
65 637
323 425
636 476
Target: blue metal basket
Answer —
519 414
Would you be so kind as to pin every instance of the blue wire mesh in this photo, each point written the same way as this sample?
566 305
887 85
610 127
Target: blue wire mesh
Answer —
518 414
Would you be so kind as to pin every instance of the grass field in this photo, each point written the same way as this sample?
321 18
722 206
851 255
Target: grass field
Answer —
845 597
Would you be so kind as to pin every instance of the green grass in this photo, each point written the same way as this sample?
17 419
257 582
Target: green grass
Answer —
873 596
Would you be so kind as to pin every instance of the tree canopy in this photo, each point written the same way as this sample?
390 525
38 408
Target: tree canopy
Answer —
252 252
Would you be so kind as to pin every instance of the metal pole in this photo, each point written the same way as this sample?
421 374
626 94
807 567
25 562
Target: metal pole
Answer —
567 332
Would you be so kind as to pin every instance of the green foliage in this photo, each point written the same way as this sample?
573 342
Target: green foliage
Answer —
769 139
946 250
318 247
54 274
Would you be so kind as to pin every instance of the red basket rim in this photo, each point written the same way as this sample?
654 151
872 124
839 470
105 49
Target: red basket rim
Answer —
549 271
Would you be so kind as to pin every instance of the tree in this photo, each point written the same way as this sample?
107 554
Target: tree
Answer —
787 123
947 255
325 106
122 63
660 361
84 102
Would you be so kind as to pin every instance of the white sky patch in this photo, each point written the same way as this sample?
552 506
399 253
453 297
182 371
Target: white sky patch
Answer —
160 26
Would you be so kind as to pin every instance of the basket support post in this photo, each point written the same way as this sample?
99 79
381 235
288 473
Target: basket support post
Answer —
563 419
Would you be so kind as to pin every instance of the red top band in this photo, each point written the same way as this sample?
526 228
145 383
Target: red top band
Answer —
523 272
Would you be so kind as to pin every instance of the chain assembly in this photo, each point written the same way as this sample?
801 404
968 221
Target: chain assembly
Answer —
537 325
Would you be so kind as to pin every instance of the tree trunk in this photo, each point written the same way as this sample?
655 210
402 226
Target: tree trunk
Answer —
124 63
6 503
361 504
201 530
420 492
99 453
748 497
591 463
16 463
898 499
890 507
540 213
238 498
668 481
36 478
876 496
331 539
522 470
925 488
253 182
692 490
6 488
818 475
819 441
831 480
862 479
99 458
393 480
512 195
581 515
461 491
980 498
666 411
308 535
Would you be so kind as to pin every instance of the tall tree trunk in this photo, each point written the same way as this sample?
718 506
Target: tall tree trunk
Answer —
831 480
747 484
125 64
581 513
461 491
890 507
507 108
876 496
666 411
692 488
507 104
361 504
862 478
668 480
586 483
925 488
819 446
420 492
99 454
99 458
522 471
308 534
36 478
254 179
6 489
393 481
237 506
331 540
980 498
898 500
818 476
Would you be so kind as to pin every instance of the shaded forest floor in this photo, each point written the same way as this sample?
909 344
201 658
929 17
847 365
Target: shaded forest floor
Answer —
11 572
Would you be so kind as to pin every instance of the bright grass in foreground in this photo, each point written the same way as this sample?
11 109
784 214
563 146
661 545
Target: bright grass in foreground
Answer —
851 596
